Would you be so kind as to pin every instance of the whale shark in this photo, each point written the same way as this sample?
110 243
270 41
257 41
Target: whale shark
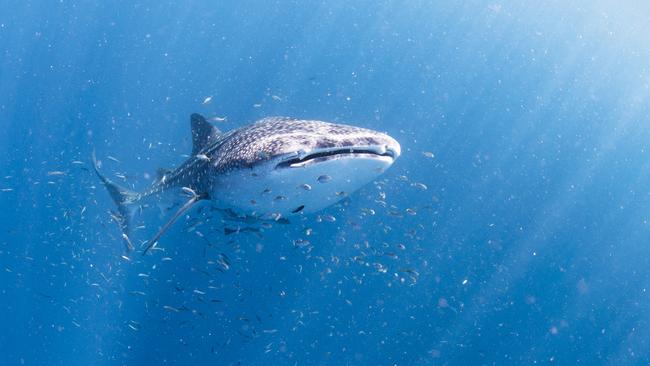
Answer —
275 167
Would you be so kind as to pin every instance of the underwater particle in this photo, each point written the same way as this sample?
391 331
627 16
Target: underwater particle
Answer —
276 98
203 157
219 119
380 267
368 211
55 173
324 179
207 99
428 154
465 281
411 211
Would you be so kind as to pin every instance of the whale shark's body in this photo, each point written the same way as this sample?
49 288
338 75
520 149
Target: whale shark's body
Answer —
275 167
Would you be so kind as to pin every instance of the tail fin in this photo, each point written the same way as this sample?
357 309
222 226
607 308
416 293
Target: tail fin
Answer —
123 198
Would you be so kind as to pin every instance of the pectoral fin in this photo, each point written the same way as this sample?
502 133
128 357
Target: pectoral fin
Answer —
194 199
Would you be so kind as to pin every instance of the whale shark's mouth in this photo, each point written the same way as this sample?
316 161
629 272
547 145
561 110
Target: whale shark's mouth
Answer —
367 152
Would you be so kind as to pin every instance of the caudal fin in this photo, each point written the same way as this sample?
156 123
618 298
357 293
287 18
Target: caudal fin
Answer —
123 198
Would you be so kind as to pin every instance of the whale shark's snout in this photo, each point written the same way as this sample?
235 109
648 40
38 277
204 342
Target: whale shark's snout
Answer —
365 144
290 166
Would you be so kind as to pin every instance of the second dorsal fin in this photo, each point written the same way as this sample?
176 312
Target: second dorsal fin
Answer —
202 132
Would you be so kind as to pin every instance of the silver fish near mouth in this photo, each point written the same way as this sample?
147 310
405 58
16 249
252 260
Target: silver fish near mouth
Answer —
263 168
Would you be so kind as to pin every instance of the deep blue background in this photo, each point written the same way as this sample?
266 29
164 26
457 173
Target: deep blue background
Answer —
529 245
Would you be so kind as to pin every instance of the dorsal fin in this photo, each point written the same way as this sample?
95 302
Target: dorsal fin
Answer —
202 132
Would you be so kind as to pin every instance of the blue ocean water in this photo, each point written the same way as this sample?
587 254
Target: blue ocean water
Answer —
513 230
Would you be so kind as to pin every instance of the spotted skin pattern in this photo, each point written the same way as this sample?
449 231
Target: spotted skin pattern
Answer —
260 142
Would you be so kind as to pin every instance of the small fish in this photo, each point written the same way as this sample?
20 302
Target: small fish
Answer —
328 218
171 308
301 242
129 245
203 157
189 191
219 119
324 179
298 209
428 154
55 173
306 187
421 186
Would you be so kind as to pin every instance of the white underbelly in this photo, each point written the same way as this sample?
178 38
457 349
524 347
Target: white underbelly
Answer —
310 188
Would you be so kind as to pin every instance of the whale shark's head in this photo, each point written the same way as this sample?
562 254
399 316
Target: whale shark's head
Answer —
282 166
